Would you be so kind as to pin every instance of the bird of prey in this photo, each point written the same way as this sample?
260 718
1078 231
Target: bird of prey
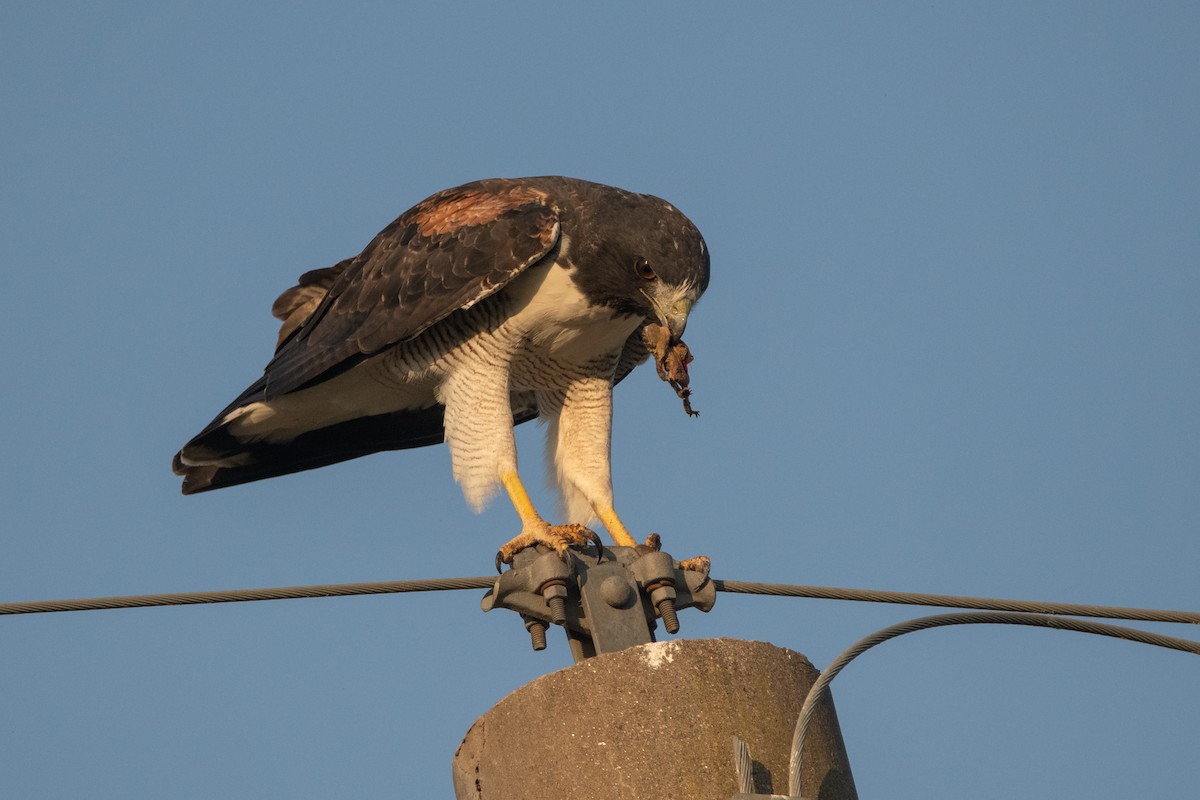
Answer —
479 308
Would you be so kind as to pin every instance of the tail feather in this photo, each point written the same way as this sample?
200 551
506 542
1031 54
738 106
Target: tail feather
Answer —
238 462
215 458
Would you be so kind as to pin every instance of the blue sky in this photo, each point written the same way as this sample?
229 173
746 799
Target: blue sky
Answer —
950 345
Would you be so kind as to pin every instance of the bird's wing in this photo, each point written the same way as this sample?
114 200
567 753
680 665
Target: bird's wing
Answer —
298 303
445 254
633 353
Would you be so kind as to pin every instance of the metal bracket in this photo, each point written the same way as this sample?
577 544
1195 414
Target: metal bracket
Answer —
604 605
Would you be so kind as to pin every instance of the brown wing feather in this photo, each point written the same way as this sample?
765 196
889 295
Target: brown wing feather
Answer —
298 303
444 254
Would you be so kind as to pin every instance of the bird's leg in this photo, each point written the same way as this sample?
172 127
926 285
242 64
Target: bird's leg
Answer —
622 537
535 530
616 529
579 436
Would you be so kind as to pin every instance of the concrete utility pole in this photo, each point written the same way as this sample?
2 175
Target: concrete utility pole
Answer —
650 720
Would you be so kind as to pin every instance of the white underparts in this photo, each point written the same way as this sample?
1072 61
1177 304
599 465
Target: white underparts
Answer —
539 334
559 346
579 444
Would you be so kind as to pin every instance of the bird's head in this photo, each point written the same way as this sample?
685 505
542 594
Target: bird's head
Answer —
647 259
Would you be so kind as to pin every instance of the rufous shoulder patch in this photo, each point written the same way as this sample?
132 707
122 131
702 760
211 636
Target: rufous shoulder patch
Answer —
455 209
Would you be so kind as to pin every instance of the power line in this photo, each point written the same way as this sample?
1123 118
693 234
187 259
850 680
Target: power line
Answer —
736 587
245 595
821 685
956 601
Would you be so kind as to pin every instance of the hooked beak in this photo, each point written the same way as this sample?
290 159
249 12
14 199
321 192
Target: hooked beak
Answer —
672 310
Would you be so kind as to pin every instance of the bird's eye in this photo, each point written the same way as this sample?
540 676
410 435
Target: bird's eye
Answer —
643 269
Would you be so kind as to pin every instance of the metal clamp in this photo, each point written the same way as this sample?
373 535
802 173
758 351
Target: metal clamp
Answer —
603 605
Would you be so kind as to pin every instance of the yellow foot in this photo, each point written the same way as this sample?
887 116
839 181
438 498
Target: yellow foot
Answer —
701 564
559 537
653 544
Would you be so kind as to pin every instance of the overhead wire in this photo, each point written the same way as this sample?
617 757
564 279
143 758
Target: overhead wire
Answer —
820 686
245 595
485 582
957 601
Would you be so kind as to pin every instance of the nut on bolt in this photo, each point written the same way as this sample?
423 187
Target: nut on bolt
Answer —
662 597
555 592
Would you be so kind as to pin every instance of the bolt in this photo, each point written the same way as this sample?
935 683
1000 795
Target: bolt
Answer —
662 595
666 610
558 610
555 592
537 633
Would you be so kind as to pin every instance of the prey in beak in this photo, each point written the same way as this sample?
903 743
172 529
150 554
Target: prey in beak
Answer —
671 359
672 305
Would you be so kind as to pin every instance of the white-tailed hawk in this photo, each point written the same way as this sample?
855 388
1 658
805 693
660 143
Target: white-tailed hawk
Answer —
479 308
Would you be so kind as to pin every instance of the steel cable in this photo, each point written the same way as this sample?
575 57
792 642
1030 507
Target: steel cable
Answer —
245 595
821 685
736 587
956 601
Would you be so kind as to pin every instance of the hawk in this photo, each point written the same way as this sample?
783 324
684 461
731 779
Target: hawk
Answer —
479 308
